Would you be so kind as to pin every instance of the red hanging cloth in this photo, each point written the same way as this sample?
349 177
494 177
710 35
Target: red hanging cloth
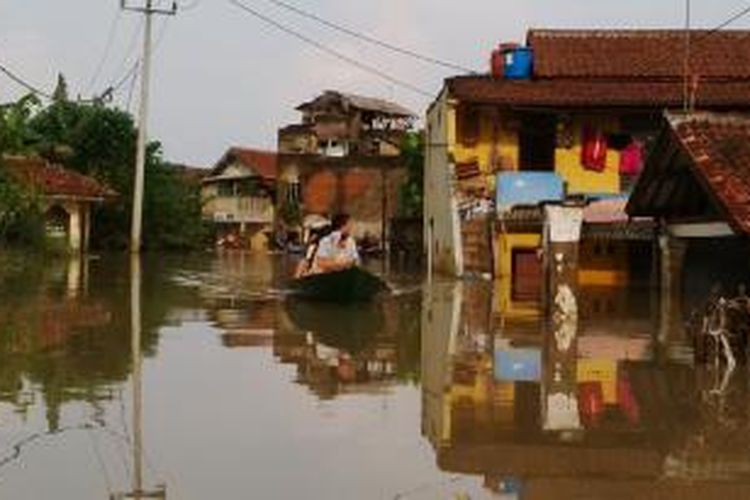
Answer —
594 150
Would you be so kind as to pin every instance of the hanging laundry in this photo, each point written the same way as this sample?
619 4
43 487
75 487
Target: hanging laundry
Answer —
590 403
594 150
631 158
626 399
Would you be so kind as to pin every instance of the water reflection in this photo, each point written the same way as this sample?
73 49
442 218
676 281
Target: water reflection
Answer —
360 348
581 410
235 388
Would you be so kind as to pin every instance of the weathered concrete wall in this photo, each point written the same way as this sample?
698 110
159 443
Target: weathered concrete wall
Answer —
441 221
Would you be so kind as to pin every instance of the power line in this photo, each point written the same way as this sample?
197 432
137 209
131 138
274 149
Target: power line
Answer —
131 89
736 17
107 49
23 83
370 39
324 48
702 36
126 60
134 69
188 7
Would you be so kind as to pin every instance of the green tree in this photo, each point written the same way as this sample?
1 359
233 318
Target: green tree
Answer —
61 90
16 135
99 141
21 220
412 192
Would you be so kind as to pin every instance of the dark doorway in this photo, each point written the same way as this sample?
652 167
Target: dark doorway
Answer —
537 142
526 275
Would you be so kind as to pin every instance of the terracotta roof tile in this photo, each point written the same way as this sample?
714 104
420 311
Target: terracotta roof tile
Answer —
639 54
720 148
594 93
54 180
263 163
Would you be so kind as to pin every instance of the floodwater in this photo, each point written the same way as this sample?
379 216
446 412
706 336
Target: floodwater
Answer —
451 390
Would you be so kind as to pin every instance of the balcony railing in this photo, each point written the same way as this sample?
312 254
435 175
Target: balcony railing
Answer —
240 209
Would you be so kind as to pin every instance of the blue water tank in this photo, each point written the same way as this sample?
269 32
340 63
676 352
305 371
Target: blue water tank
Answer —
519 62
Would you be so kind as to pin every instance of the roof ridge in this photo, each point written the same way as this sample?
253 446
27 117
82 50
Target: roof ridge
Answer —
253 149
569 32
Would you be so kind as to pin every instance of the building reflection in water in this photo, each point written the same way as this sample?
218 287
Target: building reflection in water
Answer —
360 348
593 405
49 345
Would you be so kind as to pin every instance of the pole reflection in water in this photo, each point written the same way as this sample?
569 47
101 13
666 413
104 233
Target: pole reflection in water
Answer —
136 323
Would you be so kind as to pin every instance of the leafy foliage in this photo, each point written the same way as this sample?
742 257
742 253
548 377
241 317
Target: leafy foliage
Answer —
15 134
100 141
412 192
21 220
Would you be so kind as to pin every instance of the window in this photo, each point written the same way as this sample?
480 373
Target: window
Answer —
468 125
293 193
226 189
537 143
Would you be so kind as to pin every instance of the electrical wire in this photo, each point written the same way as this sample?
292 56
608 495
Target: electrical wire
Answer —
188 7
131 90
702 36
126 60
370 39
135 69
736 17
328 50
23 83
107 50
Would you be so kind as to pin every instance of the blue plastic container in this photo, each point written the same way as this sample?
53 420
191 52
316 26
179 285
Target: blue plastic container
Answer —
518 63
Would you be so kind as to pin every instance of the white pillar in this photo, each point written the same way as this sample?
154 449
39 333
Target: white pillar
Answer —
74 227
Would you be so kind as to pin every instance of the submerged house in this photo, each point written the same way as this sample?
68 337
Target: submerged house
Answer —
67 197
697 184
344 156
570 116
238 196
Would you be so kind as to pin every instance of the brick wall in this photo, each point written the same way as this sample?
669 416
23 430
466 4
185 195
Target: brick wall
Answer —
355 189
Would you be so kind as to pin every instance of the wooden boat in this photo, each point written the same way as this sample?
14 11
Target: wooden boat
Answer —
348 285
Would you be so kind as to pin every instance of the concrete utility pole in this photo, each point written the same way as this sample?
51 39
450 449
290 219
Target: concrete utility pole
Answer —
140 162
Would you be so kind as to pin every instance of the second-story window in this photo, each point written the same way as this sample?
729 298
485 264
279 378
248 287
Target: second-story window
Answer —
226 189
333 147
293 193
468 125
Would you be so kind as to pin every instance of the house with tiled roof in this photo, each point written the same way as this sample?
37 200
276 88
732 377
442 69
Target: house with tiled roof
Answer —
571 114
697 184
343 156
67 197
238 195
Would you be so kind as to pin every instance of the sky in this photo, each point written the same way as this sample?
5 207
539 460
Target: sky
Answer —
223 78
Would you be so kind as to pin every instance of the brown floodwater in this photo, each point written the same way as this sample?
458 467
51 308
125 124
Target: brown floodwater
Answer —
450 390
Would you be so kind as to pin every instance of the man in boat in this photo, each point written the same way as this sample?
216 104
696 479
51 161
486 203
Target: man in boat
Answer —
331 250
338 250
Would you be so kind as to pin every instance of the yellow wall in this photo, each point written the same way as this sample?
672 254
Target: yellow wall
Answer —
580 180
506 243
504 129
606 267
